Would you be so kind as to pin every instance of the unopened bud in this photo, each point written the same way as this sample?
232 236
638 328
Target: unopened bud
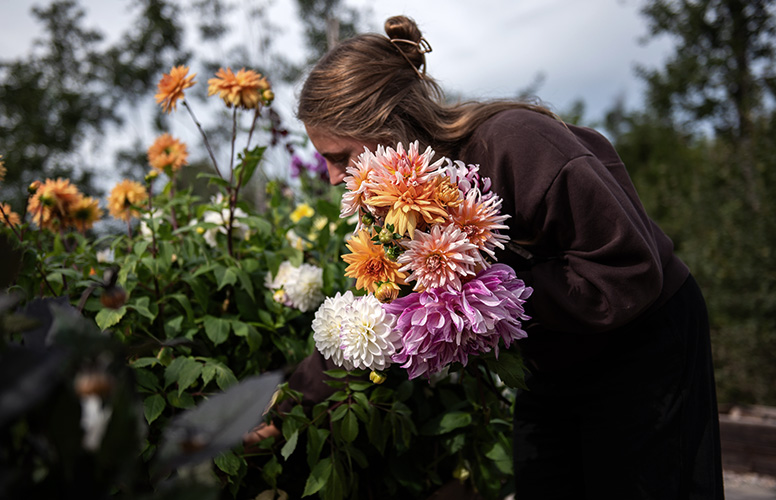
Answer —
461 473
386 236
387 291
200 230
367 219
268 96
377 377
33 188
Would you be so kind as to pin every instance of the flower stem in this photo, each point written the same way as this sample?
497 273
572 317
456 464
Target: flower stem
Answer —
204 137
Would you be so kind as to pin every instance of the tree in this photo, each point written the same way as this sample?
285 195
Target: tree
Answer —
63 97
722 73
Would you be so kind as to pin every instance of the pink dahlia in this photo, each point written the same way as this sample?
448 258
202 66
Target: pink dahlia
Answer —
466 177
439 258
441 326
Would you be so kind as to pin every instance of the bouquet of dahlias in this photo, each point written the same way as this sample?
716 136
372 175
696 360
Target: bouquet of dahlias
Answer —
424 253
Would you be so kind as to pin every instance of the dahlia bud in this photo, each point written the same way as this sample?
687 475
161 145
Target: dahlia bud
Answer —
367 219
268 96
387 291
393 252
377 377
386 236
153 174
461 473
33 188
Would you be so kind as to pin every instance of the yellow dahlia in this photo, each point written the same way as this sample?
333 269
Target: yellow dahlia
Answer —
123 197
50 205
369 264
171 87
167 151
8 216
245 89
85 212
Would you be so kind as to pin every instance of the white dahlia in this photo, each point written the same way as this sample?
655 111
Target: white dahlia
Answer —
368 338
304 287
327 327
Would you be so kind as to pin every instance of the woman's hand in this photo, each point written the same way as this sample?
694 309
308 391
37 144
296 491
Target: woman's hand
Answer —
261 433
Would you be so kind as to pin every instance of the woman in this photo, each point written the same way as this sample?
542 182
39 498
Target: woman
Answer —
621 400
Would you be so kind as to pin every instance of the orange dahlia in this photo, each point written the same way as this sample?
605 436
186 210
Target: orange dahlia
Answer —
123 197
245 89
8 216
50 206
408 206
167 151
171 87
369 264
85 212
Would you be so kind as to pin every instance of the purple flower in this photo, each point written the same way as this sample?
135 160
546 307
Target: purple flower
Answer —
439 326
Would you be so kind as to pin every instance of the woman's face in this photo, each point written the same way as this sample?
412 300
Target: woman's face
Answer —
338 151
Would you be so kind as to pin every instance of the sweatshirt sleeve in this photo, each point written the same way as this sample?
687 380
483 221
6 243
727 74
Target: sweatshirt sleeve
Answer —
573 207
605 269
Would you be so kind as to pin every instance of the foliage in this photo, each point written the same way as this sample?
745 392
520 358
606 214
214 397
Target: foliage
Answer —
181 301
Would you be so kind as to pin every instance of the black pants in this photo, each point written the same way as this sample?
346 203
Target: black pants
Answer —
638 421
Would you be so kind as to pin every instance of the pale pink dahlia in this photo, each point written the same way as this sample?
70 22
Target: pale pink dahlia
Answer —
440 326
355 183
466 177
480 220
439 258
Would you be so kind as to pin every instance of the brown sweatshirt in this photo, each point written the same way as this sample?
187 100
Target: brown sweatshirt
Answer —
599 262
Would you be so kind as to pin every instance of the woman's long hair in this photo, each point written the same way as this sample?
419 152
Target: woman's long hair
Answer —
375 88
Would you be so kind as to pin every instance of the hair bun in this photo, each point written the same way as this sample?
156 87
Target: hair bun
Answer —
405 35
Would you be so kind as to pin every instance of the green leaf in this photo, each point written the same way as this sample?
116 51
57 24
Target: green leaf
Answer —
501 458
318 477
213 179
316 438
271 471
208 372
141 306
217 329
153 406
145 361
106 318
245 281
183 370
139 247
228 462
350 427
185 304
184 400
249 160
447 423
225 276
509 367
290 445
336 373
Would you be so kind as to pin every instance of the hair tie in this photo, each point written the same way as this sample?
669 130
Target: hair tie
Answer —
423 47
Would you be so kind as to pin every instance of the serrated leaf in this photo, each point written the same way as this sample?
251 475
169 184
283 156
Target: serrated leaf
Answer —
107 318
153 406
183 370
228 462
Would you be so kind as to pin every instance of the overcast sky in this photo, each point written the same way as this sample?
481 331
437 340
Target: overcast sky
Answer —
583 49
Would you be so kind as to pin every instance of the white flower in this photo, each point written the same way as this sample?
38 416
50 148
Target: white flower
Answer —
368 338
222 218
284 271
105 256
94 421
304 287
327 327
146 220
